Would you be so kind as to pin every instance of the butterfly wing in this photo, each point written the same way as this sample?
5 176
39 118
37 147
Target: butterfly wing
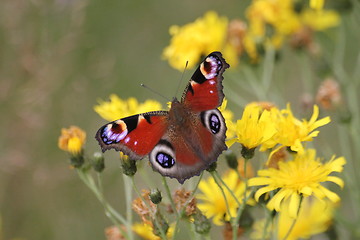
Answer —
204 90
136 135
185 151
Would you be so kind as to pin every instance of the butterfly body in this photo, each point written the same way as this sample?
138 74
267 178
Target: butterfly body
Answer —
183 141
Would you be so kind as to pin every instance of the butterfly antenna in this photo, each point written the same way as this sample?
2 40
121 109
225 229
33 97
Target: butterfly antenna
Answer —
156 92
182 77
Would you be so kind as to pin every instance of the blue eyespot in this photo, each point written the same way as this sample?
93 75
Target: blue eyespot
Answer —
165 160
214 123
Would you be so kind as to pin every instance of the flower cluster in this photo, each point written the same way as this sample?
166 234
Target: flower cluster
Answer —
268 24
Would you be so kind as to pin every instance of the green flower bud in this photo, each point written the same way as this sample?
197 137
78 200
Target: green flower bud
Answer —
155 196
128 166
98 162
162 222
247 153
212 167
231 159
77 160
202 224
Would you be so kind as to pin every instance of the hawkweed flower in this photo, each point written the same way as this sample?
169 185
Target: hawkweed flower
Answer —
118 108
315 216
212 202
291 132
254 128
301 177
72 140
328 94
146 231
182 197
189 43
317 4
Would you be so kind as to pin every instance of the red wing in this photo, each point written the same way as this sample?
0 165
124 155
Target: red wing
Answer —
204 90
136 135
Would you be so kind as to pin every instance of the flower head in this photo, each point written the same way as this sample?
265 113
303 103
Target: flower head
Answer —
72 140
197 39
213 203
315 216
254 128
328 94
302 176
292 131
118 108
146 231
141 208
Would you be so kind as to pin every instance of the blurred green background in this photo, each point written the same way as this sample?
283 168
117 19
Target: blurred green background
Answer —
57 58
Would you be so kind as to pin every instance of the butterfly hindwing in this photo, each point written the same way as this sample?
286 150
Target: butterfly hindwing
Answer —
136 135
182 156
204 90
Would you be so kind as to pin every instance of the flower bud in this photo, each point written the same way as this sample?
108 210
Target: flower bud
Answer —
77 160
128 166
98 162
202 224
155 196
247 153
231 159
212 167
162 222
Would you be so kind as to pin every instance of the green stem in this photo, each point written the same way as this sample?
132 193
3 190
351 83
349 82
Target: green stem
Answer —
268 220
227 187
153 214
222 192
128 198
110 212
168 193
235 224
181 212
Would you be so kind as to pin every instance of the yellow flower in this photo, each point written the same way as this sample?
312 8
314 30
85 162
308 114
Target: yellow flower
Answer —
72 140
145 231
317 4
301 177
291 131
315 217
254 128
197 39
229 116
320 21
213 203
118 108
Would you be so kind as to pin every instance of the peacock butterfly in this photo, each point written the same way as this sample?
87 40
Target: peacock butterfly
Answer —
183 141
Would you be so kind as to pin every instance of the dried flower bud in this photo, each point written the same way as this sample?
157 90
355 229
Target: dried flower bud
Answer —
155 196
228 232
236 33
113 233
182 197
329 95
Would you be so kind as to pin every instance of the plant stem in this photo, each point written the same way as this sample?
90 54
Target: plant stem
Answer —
168 193
162 233
128 197
222 192
110 212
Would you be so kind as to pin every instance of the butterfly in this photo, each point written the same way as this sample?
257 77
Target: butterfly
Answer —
183 141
